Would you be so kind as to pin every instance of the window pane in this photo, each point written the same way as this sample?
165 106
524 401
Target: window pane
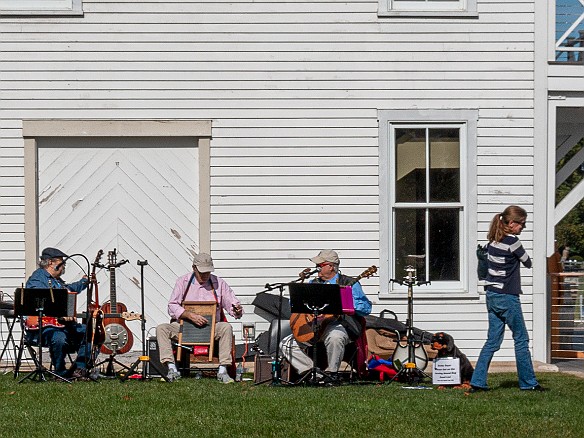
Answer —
444 165
410 236
444 244
410 167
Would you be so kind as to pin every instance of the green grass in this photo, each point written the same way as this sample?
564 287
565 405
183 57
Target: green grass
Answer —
204 407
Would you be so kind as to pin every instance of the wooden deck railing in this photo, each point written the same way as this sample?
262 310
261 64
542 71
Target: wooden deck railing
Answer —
567 315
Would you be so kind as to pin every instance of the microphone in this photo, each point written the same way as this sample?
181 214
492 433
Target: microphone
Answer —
58 266
307 272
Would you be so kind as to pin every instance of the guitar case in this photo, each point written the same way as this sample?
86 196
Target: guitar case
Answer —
392 324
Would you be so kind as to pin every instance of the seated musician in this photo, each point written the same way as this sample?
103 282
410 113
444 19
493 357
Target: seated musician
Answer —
200 285
64 335
338 333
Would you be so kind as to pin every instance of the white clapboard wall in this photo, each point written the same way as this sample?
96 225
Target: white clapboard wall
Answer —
138 196
293 91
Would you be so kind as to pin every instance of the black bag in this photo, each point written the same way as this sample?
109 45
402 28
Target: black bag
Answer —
483 264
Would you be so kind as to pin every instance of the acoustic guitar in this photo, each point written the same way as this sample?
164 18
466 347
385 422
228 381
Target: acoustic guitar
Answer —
301 323
118 338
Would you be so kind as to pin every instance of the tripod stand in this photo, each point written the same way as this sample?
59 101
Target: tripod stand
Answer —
36 303
315 375
144 359
277 379
409 371
40 370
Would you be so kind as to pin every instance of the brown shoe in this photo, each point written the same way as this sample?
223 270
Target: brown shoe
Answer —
80 375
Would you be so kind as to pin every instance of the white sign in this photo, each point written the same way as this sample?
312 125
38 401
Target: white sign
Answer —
446 371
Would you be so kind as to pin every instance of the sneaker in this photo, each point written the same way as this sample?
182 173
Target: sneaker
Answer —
172 375
224 378
474 389
537 388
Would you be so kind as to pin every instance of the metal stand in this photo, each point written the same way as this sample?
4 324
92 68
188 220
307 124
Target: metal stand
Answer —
315 375
109 369
409 372
277 379
40 370
144 359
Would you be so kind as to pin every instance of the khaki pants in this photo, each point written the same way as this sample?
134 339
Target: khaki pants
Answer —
166 333
335 339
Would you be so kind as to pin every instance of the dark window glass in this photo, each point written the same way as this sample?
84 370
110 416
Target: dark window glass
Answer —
444 244
410 239
410 165
444 164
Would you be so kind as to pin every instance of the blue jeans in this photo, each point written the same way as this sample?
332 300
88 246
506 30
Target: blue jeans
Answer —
62 341
505 309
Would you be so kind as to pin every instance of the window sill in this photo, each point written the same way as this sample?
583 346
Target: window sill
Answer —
427 296
428 14
41 13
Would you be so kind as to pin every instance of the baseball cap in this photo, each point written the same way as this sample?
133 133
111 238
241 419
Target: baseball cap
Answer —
203 262
52 253
326 255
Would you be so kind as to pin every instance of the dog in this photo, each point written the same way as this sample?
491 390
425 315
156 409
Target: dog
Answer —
443 343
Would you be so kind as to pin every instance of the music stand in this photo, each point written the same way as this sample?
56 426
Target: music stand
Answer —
41 302
315 299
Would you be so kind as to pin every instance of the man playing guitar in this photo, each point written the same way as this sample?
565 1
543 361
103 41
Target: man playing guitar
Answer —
338 332
62 335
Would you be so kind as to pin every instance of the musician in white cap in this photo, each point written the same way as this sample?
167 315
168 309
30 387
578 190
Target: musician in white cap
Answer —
338 333
200 285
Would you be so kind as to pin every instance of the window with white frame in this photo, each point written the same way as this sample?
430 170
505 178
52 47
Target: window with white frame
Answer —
428 7
41 7
424 187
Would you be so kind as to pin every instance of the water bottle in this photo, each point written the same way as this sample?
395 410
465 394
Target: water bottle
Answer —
239 373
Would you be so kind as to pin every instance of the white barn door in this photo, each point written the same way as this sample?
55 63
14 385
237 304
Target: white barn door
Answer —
137 195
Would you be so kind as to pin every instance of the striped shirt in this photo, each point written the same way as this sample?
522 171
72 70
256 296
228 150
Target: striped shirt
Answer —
503 258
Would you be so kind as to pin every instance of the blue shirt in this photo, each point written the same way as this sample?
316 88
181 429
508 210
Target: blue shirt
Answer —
360 300
504 260
40 279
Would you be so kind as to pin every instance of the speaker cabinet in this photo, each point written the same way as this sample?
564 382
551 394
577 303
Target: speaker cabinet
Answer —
262 369
154 354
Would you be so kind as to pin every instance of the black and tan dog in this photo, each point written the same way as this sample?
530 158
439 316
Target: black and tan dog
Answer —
443 343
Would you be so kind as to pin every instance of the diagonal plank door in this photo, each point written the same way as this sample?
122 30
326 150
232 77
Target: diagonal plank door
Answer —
137 195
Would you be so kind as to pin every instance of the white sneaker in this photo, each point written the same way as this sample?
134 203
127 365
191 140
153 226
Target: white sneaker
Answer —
172 375
224 378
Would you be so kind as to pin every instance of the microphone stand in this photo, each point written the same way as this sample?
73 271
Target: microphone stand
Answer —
144 359
410 369
277 364
87 348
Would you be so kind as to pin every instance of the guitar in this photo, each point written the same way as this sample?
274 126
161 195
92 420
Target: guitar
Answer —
301 323
32 322
118 338
95 326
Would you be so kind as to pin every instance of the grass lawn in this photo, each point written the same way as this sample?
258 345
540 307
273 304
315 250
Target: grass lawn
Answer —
206 408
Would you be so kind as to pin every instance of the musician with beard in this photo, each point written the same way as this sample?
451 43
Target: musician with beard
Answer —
67 336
